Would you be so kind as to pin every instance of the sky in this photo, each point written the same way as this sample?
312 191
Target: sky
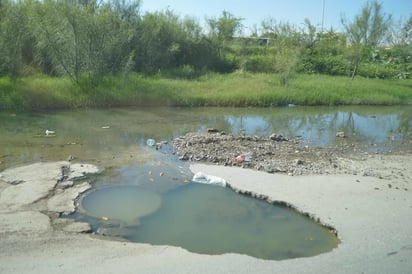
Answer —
292 11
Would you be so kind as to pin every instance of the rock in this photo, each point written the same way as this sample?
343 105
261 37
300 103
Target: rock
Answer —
278 138
299 162
212 130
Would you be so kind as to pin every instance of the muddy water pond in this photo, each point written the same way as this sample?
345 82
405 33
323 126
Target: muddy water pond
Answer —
113 137
146 195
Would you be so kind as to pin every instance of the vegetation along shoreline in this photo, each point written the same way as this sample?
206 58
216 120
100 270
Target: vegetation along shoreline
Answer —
73 54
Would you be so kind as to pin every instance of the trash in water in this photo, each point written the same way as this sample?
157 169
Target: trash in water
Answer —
50 132
150 142
208 179
104 218
105 127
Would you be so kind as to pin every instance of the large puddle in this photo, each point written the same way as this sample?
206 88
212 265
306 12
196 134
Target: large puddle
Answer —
215 220
201 218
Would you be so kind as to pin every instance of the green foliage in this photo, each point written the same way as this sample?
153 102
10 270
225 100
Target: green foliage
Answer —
58 54
223 30
210 89
368 30
370 27
10 95
87 40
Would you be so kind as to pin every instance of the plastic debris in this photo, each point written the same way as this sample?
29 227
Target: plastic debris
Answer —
104 218
105 127
340 134
244 157
50 132
208 179
150 142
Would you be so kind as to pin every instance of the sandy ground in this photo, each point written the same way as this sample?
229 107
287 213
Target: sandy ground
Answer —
373 217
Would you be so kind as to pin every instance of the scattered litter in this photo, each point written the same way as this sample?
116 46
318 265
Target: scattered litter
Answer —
244 157
208 179
150 142
104 218
340 134
161 173
105 127
151 180
50 132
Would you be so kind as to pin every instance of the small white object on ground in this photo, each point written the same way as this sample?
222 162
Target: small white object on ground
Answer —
208 179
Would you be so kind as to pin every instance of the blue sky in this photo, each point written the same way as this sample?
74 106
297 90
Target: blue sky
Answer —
293 11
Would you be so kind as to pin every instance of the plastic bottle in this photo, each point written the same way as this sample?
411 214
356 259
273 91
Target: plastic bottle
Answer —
150 142
248 157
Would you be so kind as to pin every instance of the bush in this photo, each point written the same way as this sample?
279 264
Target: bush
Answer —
10 97
373 70
331 65
260 63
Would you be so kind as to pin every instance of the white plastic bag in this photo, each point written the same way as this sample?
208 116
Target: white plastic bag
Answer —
208 179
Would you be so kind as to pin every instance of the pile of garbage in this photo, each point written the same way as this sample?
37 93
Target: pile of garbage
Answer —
273 154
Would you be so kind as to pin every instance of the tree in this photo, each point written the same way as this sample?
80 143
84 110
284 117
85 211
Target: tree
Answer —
368 29
287 43
407 32
223 30
77 38
160 42
14 38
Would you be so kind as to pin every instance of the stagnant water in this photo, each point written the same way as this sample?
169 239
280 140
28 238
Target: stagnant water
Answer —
157 203
112 137
206 219
145 195
215 220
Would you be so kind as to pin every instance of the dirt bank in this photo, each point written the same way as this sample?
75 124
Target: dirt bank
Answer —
283 155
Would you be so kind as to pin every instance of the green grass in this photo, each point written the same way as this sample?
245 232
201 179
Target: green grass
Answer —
235 89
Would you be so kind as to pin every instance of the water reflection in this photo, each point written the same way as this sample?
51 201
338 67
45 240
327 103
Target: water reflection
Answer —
113 136
319 128
214 220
